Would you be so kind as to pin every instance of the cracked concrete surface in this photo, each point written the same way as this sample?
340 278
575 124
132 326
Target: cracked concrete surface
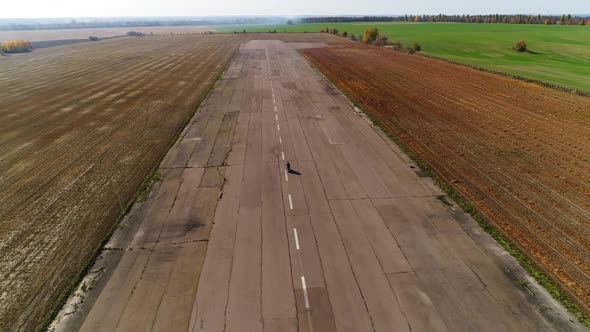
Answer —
169 229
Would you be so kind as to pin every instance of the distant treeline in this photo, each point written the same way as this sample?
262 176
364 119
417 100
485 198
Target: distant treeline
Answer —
82 25
31 24
492 18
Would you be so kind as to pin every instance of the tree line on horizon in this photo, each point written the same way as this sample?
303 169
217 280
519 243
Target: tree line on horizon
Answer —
465 18
89 25
26 24
372 36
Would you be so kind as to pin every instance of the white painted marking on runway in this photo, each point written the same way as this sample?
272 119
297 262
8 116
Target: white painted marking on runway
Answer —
275 108
278 127
276 117
280 140
296 238
283 155
305 292
290 202
286 176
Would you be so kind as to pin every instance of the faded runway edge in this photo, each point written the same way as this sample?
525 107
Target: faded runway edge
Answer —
71 314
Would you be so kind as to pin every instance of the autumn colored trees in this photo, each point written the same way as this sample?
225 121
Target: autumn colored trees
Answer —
333 31
414 48
520 46
370 35
16 46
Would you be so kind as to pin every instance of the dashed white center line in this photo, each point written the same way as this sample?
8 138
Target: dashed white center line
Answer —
305 292
303 284
296 238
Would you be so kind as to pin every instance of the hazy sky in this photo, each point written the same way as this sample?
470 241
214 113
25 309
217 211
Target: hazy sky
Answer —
97 8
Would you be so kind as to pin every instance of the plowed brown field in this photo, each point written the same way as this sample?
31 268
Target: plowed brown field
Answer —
518 151
81 127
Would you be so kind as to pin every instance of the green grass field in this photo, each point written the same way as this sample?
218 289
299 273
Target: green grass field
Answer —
561 53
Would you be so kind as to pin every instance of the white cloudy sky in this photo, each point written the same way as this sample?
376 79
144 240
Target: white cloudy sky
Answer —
110 8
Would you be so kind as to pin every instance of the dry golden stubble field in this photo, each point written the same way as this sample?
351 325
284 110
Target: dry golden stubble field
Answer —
82 126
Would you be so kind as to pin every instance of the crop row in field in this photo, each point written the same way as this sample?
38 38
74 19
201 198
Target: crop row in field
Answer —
561 53
517 151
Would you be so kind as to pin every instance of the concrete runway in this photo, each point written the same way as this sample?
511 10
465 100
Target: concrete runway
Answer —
357 241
